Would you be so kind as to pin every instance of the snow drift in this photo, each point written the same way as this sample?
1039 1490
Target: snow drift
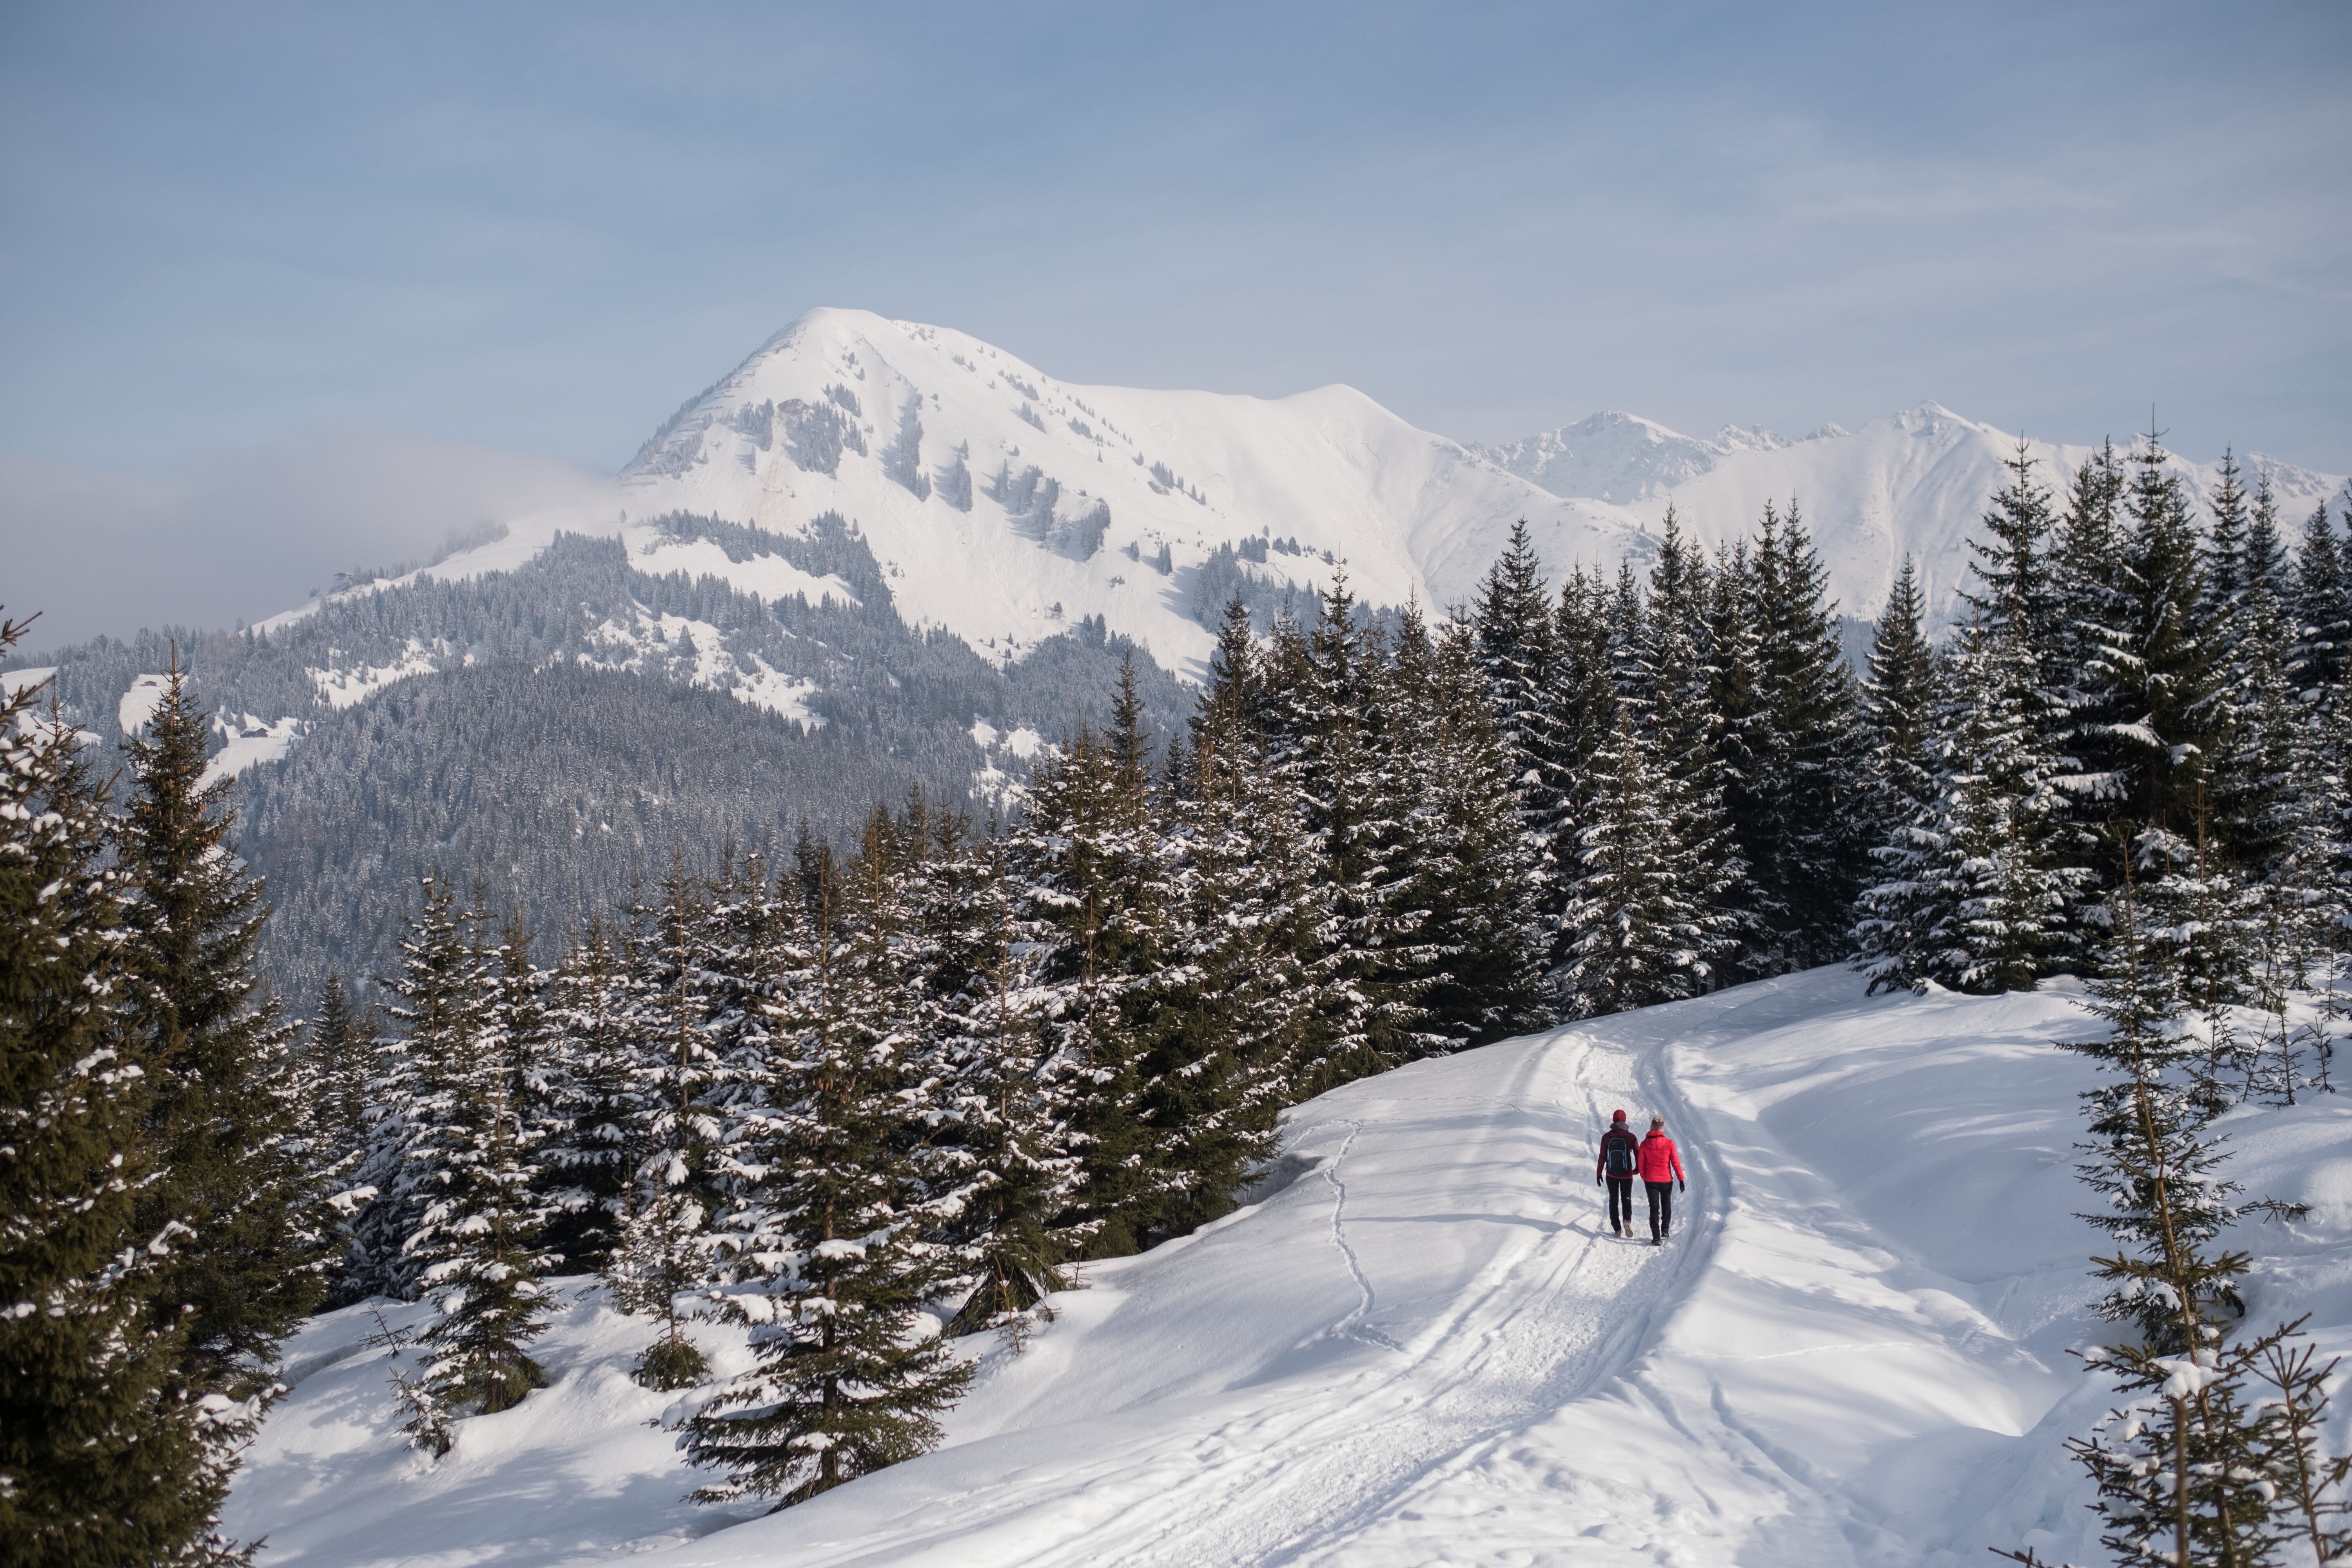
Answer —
1421 1346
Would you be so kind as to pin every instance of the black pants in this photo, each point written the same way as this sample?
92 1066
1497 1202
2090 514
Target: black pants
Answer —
1662 1206
1621 1201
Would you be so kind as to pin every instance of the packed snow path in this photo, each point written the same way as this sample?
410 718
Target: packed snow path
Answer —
1488 1291
1421 1347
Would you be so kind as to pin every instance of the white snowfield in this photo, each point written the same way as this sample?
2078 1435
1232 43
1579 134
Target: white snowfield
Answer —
1425 1349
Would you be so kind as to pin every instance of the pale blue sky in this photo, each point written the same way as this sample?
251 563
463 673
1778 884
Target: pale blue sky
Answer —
535 228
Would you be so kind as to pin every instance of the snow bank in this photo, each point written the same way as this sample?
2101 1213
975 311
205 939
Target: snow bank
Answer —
1421 1346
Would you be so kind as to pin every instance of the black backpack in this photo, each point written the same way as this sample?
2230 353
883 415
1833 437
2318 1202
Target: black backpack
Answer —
1622 1154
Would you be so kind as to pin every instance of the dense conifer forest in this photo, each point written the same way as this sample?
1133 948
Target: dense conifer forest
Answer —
911 1075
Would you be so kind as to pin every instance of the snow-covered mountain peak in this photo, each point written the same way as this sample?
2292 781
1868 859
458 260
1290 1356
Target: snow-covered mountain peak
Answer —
1006 505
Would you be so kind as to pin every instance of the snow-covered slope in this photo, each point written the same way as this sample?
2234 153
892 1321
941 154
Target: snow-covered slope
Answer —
1424 1348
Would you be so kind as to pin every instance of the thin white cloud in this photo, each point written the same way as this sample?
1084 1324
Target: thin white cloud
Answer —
251 534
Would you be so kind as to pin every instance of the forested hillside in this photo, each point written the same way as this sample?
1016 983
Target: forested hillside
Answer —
399 728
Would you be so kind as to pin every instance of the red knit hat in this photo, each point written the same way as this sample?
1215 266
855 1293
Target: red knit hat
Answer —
1618 1117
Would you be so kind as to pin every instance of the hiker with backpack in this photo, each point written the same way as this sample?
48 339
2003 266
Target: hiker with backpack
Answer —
1620 1160
1662 1173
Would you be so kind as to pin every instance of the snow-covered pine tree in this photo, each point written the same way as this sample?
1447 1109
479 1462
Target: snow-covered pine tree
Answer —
1006 1159
1644 929
1473 867
2253 765
2308 1481
1235 1020
2155 1160
217 1052
849 1379
587 1164
338 1060
1521 656
1584 694
2153 681
2018 586
1992 884
2201 911
2180 1466
476 1242
1897 710
666 1245
1333 748
2304 884
432 1005
519 991
2225 541
2323 609
2088 558
1094 874
1743 744
1799 835
104 1456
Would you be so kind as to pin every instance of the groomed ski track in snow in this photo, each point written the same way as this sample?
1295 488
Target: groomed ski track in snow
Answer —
1419 1347
1556 1306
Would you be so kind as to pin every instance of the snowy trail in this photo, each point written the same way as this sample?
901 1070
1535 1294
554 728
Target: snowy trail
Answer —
1541 1323
1438 1358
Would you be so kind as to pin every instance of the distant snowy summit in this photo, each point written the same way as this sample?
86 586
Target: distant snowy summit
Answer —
1617 457
1006 506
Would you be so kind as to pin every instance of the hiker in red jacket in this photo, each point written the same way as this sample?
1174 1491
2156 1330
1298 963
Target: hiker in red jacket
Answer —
1662 1173
1621 1159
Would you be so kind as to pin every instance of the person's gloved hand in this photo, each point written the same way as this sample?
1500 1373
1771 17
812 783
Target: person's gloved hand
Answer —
1680 1187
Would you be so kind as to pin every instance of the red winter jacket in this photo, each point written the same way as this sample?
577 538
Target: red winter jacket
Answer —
1620 1134
1659 1161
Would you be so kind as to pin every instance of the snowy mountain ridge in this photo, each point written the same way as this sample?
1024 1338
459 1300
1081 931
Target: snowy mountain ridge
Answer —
1007 505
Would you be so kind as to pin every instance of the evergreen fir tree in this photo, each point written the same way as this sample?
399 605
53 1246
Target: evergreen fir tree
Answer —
1010 1164
217 1051
338 1059
1473 868
2155 1159
1094 875
2322 611
1585 693
2153 684
2179 1469
434 1006
1801 837
1645 930
2019 588
1898 706
2092 612
2225 546
1334 751
477 1240
104 1455
1743 751
1989 864
667 1245
587 1164
1520 653
845 1384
